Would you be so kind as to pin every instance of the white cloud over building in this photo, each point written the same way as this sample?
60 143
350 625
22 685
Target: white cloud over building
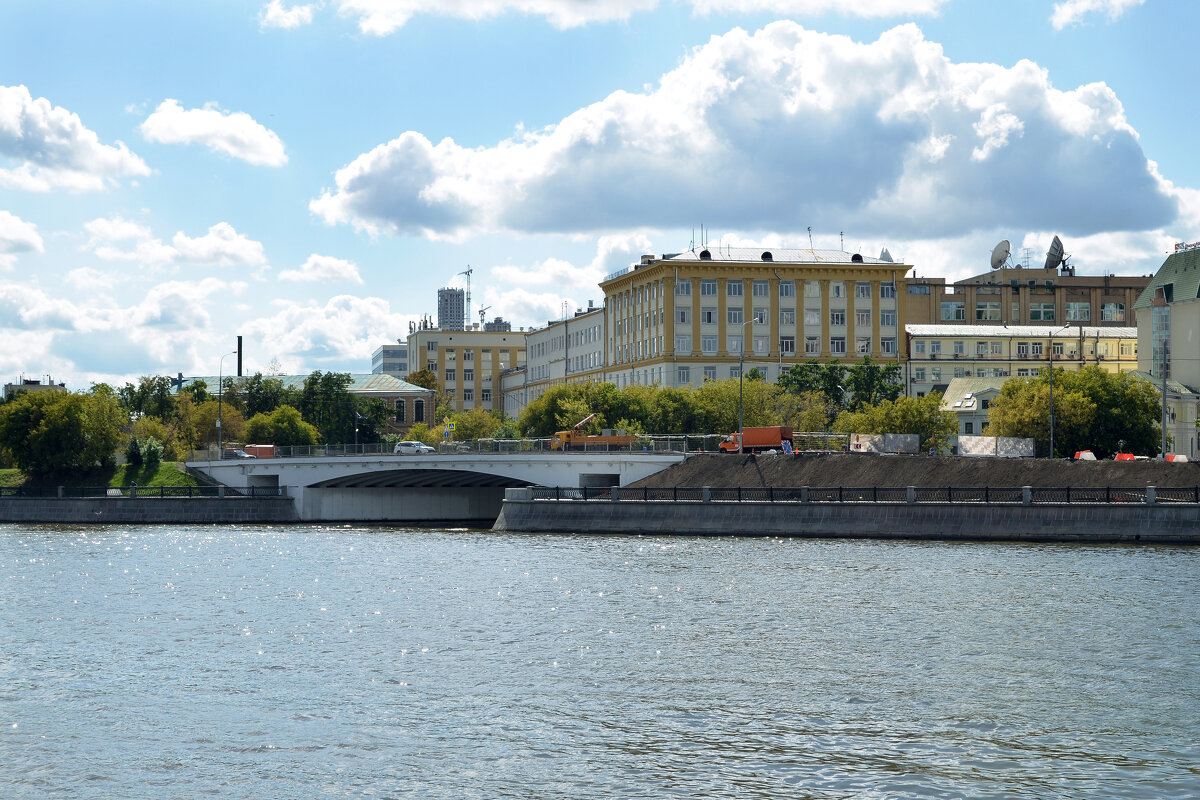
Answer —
234 134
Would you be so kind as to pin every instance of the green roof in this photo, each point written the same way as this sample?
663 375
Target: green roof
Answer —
1181 269
360 383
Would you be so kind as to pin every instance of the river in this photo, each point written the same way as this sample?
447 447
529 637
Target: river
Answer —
307 661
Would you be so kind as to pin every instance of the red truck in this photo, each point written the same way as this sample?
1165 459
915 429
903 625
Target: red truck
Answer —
770 437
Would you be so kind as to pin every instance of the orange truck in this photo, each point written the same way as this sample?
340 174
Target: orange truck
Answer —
576 439
770 437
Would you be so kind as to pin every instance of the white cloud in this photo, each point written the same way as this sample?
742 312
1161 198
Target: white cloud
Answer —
382 17
275 15
235 134
782 129
1073 12
48 147
342 332
323 268
16 236
118 239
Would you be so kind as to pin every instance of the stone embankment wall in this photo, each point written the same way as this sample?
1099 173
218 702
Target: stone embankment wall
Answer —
168 510
1044 522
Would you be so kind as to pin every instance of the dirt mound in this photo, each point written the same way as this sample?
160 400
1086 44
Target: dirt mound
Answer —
836 469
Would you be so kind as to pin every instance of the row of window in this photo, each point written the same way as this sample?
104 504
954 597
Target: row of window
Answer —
736 288
922 347
934 374
787 317
787 345
990 311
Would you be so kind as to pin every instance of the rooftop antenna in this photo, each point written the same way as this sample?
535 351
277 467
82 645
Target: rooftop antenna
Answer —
842 240
810 244
468 272
1000 254
1055 257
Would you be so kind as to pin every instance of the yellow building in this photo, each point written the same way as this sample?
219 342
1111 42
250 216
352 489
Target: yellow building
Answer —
684 318
939 353
467 363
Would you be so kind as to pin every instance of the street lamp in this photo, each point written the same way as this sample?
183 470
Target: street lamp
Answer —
741 370
220 395
1052 333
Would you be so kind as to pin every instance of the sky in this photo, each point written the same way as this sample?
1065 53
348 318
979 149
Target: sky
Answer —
308 175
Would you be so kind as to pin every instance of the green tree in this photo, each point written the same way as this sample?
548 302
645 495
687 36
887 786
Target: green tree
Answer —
920 415
1022 410
869 383
478 423
52 433
813 376
1128 409
263 394
282 426
325 401
425 378
154 396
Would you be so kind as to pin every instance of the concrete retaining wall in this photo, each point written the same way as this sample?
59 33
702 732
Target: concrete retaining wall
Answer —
168 510
1058 522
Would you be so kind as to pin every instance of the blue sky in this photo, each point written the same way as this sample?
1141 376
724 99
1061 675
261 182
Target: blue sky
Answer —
308 175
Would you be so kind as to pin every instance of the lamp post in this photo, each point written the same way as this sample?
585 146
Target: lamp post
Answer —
741 370
1057 330
220 395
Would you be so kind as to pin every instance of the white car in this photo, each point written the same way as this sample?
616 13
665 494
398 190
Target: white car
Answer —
412 448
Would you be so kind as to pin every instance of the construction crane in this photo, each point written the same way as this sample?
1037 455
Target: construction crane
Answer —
482 311
468 272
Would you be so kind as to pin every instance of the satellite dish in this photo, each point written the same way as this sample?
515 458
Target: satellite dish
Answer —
1000 253
885 256
1054 256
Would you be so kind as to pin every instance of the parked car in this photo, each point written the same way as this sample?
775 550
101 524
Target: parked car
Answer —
237 454
412 448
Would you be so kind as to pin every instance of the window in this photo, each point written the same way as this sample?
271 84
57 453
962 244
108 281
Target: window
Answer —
968 428
1126 348
762 288
953 311
918 347
787 316
960 372
918 288
733 288
887 291
735 371
468 375
450 376
1016 312
485 395
812 317
683 375
400 408
760 316
1022 372
1102 348
418 411
733 316
761 345
935 373
987 311
935 347
1022 349
837 317
710 373
1112 312
787 345
959 349
683 288
837 345
862 317
1079 312
837 289
468 355
1041 312
919 373
1057 347
812 345
812 288
984 404
981 348
887 318
733 344
468 395
431 346
708 316
862 290
787 289
708 288
683 316
1035 349
997 348
683 344
862 345
708 344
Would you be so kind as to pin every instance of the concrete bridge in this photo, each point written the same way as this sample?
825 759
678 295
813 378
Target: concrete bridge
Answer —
461 487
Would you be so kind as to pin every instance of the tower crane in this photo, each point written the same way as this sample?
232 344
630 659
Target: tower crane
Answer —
482 311
468 272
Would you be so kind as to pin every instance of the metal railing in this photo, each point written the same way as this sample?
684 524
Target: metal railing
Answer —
139 492
875 494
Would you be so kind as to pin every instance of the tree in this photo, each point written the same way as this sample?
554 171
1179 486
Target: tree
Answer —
478 423
1128 411
425 378
326 403
263 394
154 396
1022 410
920 415
283 426
813 376
52 433
869 383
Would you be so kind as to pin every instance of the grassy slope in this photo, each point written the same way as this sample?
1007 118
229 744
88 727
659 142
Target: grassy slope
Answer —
167 474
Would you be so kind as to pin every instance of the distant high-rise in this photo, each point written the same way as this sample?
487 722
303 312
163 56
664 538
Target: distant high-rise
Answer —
497 325
452 309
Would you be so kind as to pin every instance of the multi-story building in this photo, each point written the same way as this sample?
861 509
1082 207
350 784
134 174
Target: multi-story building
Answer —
564 351
939 353
11 390
970 401
1168 327
468 364
1024 296
390 359
452 309
683 318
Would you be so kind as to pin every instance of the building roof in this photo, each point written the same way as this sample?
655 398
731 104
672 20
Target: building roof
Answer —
360 383
962 394
1182 269
1173 386
787 256
1017 331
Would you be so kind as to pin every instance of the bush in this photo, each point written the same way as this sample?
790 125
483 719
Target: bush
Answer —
152 453
133 452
